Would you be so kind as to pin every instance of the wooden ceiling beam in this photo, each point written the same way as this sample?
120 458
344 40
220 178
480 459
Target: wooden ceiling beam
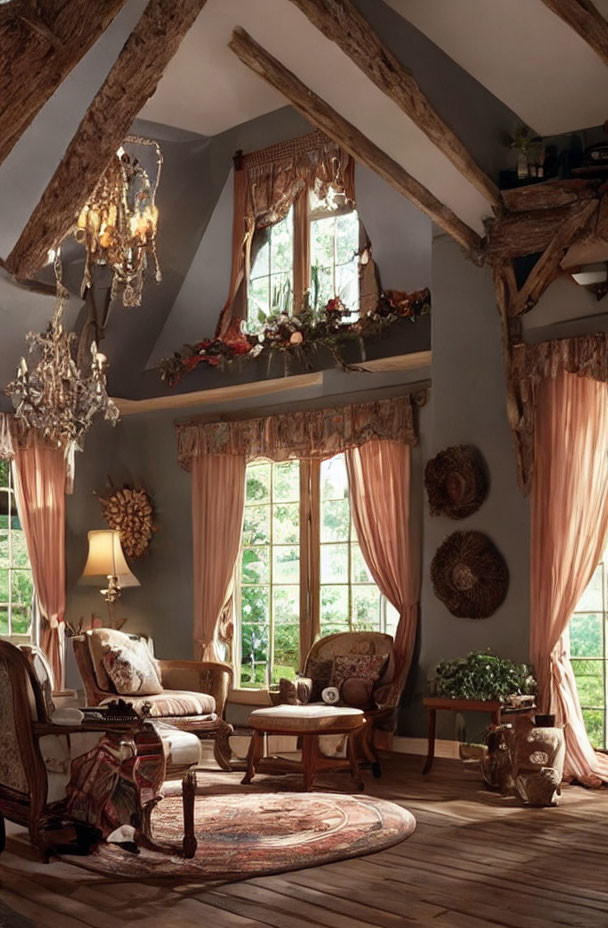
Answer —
341 21
586 20
39 45
131 81
329 121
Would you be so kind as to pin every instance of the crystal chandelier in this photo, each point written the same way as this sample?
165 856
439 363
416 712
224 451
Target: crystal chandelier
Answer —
118 224
56 396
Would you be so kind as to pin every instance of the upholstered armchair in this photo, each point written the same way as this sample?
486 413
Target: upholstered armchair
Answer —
378 697
41 749
191 696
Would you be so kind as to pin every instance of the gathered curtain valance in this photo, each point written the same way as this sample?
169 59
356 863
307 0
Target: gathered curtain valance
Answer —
531 365
266 184
306 434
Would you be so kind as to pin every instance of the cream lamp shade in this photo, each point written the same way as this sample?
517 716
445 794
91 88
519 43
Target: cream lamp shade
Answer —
106 559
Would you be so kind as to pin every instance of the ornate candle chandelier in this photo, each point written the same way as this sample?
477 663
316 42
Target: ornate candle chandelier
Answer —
119 223
56 396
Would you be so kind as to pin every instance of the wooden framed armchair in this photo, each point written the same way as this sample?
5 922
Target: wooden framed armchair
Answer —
39 756
192 696
384 698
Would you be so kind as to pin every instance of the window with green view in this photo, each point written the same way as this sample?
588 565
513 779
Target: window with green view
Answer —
16 585
589 653
273 575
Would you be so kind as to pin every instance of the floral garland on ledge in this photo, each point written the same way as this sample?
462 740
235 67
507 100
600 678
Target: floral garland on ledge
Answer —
298 335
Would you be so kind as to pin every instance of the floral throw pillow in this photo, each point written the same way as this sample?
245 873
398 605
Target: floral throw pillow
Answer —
366 667
133 670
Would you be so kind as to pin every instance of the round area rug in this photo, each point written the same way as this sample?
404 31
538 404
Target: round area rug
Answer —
244 836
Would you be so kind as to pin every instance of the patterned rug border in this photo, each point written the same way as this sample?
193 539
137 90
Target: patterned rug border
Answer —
107 857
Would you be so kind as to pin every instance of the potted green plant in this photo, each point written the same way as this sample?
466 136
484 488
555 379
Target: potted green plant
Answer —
482 675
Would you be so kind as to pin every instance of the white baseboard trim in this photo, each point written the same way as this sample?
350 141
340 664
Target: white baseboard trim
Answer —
443 748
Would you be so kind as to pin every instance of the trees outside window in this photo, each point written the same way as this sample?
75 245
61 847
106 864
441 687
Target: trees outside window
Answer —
589 653
16 585
273 575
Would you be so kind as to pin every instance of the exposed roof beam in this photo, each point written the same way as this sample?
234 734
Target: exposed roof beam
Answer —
130 82
584 17
340 21
324 117
41 44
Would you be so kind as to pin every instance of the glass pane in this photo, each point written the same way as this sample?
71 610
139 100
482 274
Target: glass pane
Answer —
281 293
392 617
5 506
286 479
22 587
592 597
325 291
254 655
20 620
347 237
256 525
4 469
334 479
286 563
260 266
347 288
258 299
334 563
286 605
590 682
4 586
3 544
255 605
286 652
322 241
19 555
4 629
258 483
334 606
286 526
281 244
359 569
594 723
366 607
586 636
335 520
255 565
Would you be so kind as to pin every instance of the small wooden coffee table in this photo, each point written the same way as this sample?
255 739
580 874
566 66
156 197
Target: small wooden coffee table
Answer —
306 723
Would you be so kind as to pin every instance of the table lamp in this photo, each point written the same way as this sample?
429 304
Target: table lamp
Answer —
106 561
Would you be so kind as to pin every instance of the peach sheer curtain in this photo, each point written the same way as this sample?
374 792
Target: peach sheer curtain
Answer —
379 488
568 534
40 481
218 498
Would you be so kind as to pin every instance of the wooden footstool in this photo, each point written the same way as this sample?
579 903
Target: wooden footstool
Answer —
307 723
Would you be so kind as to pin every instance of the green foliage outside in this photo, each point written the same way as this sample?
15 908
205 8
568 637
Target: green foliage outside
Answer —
588 649
15 574
481 675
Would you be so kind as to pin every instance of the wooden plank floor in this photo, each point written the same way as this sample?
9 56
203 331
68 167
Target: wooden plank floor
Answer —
476 860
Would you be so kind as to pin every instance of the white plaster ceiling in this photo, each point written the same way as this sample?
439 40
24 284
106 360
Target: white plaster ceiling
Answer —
523 53
207 89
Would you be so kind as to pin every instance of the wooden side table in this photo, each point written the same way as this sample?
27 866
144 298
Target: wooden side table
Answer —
433 703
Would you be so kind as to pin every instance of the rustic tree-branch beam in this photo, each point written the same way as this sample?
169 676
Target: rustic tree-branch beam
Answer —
584 17
38 53
329 121
131 81
547 268
341 21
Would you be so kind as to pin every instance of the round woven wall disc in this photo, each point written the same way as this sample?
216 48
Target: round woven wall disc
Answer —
469 575
456 482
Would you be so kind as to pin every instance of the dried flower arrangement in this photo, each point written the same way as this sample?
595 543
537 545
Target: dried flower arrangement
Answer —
299 334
